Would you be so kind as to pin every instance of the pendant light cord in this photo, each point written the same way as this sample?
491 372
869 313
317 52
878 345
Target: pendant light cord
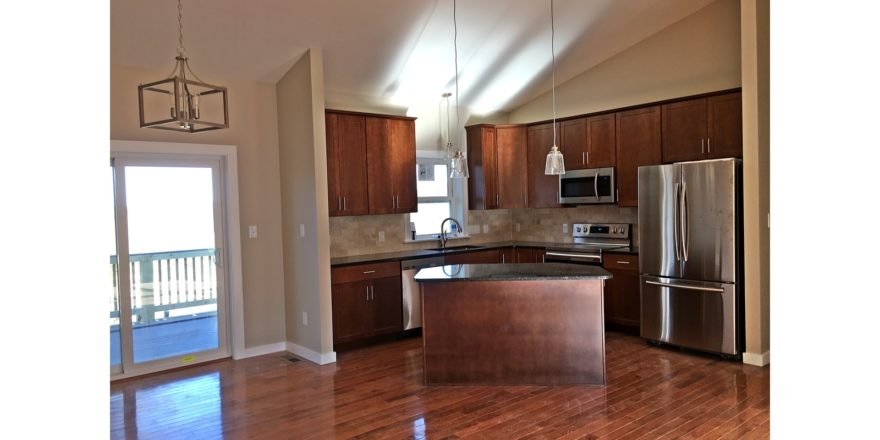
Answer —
553 54
180 48
455 50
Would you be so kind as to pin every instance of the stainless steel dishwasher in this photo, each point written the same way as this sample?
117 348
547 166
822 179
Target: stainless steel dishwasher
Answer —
412 299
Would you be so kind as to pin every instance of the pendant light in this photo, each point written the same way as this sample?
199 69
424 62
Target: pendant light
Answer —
179 103
555 164
458 163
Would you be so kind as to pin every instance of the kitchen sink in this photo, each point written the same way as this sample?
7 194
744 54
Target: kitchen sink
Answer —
456 248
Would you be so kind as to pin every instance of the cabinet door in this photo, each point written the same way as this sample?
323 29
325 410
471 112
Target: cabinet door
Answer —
386 303
529 255
638 144
684 130
601 141
622 298
402 155
508 255
351 311
478 187
512 171
477 257
379 167
543 190
349 163
573 143
725 126
334 197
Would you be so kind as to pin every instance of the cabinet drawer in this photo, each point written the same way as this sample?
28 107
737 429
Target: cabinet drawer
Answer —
360 272
621 262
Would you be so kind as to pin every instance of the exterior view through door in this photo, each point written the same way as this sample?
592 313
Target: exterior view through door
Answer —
167 307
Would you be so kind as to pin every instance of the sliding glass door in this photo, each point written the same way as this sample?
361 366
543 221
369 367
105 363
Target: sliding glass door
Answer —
168 302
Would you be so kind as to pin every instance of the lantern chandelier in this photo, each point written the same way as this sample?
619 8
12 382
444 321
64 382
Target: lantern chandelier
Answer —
179 103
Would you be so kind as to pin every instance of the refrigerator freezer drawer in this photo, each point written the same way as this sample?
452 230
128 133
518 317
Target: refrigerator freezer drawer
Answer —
691 314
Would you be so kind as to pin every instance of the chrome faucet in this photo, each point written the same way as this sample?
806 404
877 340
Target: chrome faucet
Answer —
443 237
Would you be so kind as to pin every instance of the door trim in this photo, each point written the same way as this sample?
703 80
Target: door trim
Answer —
227 154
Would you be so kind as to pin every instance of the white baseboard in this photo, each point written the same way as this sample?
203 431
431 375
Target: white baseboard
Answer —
311 355
260 350
759 360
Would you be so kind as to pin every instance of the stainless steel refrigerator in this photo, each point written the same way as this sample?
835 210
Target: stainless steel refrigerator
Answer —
690 255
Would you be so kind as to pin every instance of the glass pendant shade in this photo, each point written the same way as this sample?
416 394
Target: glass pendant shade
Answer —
555 164
459 166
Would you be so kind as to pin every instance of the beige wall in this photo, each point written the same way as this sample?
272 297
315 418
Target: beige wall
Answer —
756 175
700 53
253 128
303 169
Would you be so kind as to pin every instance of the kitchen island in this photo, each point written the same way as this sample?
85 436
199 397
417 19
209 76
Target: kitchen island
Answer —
513 324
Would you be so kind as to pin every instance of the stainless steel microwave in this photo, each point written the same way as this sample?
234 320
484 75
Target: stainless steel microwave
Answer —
596 185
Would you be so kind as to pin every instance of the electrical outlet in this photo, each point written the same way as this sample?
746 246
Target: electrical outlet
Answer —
564 228
381 235
485 229
252 231
516 226
305 319
302 230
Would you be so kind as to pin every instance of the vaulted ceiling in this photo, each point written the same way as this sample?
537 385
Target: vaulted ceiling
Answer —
398 51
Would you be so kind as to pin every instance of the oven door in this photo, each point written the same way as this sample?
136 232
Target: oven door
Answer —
554 256
587 186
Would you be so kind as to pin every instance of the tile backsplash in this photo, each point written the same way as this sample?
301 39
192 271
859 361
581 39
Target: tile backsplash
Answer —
358 235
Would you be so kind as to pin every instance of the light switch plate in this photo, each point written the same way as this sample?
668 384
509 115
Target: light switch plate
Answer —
485 229
381 235
516 225
302 230
564 228
252 231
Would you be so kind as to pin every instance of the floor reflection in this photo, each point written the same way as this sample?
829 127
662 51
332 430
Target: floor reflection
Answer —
191 405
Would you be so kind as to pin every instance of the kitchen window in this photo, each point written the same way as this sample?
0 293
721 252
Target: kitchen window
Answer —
438 198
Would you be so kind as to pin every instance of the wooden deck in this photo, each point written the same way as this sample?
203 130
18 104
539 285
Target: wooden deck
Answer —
164 339
378 392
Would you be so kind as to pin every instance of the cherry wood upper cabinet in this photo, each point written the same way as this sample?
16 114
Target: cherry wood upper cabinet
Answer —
482 167
512 171
497 166
601 141
725 126
391 165
346 156
543 190
573 143
703 128
638 144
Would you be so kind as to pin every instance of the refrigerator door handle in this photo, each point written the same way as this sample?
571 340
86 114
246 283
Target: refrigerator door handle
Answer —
685 230
675 217
682 286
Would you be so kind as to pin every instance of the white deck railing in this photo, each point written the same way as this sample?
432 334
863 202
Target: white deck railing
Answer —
166 285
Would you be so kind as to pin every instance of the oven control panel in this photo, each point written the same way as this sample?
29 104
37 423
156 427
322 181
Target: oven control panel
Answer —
600 230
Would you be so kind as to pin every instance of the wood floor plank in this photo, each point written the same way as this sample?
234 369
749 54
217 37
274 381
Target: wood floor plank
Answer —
378 392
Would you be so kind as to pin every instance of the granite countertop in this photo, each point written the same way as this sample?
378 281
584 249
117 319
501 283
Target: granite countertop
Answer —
511 272
425 253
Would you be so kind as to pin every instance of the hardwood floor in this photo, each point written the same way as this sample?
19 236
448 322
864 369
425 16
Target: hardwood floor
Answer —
377 392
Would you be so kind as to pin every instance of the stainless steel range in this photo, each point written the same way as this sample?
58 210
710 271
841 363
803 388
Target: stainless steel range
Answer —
589 241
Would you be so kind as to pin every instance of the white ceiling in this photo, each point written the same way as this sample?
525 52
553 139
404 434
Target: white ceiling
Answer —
400 51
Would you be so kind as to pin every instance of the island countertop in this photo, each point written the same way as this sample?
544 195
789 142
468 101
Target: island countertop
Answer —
511 272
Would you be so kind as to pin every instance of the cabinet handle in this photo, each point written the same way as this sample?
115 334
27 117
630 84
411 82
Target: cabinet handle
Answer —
502 258
709 145
369 271
497 203
368 293
372 295
343 203
702 145
583 158
623 262
339 203
393 204
588 157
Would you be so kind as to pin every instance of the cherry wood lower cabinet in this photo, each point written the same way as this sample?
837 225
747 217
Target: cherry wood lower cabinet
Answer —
367 302
529 255
508 255
489 256
622 299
